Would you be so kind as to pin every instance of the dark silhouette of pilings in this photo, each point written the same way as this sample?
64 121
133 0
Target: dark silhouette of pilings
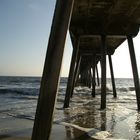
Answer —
112 76
103 72
89 77
76 73
93 76
84 77
51 72
97 73
70 83
134 69
89 63
83 72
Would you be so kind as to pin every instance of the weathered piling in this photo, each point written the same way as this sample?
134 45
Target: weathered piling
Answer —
97 73
86 76
112 76
51 72
89 78
93 75
134 69
84 72
76 73
103 120
71 73
103 72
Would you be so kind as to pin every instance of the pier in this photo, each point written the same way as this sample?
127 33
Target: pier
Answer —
97 29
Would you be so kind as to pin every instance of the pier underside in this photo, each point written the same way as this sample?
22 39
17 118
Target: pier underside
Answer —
110 17
97 28
100 27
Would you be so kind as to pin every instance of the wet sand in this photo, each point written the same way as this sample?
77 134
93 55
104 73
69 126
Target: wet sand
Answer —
80 128
21 129
15 129
85 121
13 138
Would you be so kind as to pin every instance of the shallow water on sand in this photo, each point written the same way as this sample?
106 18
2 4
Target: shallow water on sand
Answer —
120 120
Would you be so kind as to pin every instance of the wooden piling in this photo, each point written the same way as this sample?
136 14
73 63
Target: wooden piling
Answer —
86 78
77 69
134 69
51 72
103 72
76 74
112 76
71 74
83 78
89 77
93 76
103 120
97 73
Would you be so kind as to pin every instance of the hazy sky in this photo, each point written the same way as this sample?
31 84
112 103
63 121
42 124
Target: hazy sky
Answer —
24 32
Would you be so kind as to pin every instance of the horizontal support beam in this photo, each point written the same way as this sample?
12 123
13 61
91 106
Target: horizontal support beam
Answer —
107 37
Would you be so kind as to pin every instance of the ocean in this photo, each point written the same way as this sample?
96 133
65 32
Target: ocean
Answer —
18 99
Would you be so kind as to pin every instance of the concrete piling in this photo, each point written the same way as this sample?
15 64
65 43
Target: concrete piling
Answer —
103 72
93 76
51 72
76 73
71 74
97 73
112 76
134 69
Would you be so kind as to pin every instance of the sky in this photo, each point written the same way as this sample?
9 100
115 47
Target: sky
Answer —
24 31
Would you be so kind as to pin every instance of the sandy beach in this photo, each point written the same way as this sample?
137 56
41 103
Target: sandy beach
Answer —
15 129
21 129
